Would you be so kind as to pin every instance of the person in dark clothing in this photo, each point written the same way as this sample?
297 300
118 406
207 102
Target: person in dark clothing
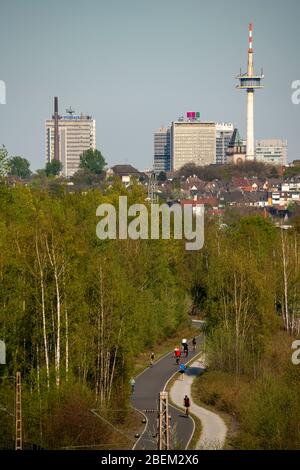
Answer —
186 349
152 357
194 342
187 404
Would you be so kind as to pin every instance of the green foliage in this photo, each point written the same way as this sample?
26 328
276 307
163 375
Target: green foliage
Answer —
227 171
246 283
93 161
292 171
271 415
86 178
53 168
162 176
99 302
20 167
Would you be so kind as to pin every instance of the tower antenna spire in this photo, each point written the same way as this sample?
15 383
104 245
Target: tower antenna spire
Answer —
250 82
250 38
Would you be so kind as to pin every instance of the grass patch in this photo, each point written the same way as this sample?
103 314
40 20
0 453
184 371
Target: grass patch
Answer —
220 393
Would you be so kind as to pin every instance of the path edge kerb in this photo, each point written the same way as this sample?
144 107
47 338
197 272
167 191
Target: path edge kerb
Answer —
139 411
174 406
177 407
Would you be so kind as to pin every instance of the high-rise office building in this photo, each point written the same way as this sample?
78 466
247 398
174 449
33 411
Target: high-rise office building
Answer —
75 135
193 141
273 151
162 150
224 133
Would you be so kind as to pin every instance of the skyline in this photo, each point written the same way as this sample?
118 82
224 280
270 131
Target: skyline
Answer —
133 80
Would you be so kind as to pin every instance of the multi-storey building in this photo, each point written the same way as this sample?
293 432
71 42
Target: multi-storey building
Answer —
162 150
192 141
273 151
224 133
76 134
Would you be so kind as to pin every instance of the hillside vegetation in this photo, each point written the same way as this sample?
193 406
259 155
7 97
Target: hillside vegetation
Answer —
75 311
249 290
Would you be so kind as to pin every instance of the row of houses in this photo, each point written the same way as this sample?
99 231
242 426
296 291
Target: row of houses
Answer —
217 194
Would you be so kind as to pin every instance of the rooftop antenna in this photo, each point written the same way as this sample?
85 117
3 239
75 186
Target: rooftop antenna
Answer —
70 111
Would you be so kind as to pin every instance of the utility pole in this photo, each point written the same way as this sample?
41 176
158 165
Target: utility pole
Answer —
152 189
18 413
163 422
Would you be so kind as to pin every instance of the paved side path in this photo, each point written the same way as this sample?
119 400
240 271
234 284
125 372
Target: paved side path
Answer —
214 429
147 387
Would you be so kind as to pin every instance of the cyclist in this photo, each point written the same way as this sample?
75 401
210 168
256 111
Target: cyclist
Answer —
177 355
186 349
182 370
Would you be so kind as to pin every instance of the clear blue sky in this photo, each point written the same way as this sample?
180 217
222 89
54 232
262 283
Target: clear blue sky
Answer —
137 64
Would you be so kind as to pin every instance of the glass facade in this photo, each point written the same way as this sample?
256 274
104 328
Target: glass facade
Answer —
223 137
162 150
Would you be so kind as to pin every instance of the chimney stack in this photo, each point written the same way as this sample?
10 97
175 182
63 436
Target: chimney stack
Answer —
56 136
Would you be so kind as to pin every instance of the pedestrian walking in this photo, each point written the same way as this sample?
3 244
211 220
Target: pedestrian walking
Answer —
182 369
194 344
152 357
132 384
187 404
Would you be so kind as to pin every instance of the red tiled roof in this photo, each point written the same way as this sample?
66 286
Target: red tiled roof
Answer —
207 201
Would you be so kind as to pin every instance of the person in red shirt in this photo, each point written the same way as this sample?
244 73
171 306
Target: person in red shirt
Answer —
177 354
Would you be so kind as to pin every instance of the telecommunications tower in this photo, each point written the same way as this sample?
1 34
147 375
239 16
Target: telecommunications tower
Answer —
250 82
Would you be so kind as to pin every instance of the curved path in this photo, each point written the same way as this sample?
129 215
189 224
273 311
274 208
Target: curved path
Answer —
214 429
147 387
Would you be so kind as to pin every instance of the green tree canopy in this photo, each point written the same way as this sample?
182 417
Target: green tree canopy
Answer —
162 176
86 177
19 166
53 168
92 160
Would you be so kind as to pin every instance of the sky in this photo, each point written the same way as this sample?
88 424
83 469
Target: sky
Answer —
137 64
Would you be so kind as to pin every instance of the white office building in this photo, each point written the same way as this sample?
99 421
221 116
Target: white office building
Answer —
76 134
193 141
272 151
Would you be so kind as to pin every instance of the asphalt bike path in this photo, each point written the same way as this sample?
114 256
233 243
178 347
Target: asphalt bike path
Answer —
148 384
214 430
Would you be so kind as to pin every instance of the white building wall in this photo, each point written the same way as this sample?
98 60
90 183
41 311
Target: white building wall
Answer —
76 135
272 151
193 142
